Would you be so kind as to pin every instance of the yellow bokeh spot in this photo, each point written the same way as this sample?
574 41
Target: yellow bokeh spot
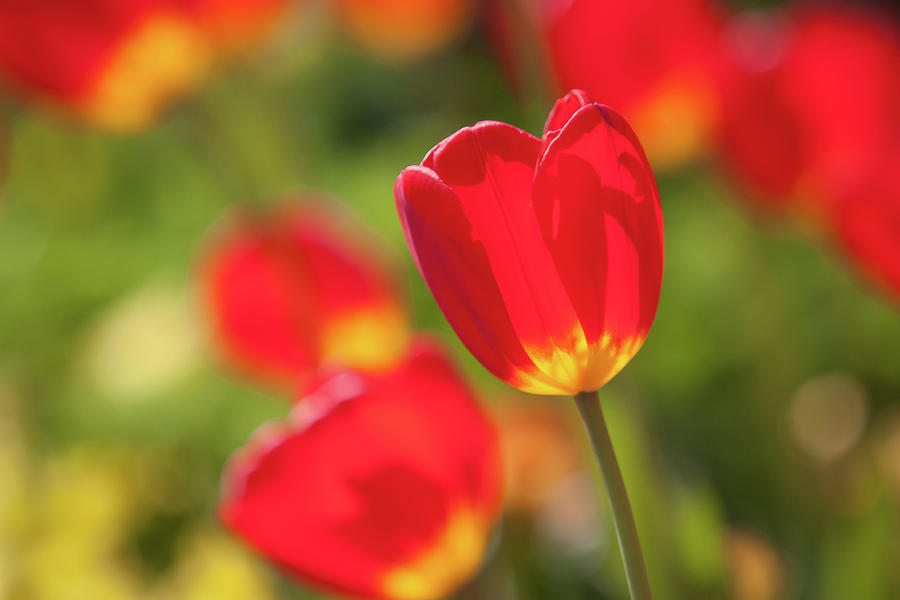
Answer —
143 345
162 59
675 124
83 505
370 340
451 559
401 31
576 366
212 565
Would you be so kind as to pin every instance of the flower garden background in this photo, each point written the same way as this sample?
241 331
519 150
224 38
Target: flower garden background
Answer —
758 428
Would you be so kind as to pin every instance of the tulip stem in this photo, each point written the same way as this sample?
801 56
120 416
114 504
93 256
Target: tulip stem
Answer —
629 545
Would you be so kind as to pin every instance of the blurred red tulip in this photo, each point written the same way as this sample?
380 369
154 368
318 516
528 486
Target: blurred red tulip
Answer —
404 29
379 487
116 63
866 222
288 291
813 101
544 255
656 61
235 24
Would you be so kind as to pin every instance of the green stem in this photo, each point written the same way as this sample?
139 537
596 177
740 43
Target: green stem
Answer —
629 545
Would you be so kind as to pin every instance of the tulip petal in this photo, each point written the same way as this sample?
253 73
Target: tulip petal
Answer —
255 297
596 200
362 323
372 490
659 66
467 213
287 293
448 266
811 106
563 110
866 223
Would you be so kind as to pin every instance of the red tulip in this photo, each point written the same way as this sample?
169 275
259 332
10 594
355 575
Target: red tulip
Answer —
378 487
544 255
404 29
654 60
287 291
114 62
866 222
812 104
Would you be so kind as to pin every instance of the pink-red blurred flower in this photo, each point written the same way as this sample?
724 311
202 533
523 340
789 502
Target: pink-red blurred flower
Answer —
656 61
378 487
288 290
811 103
545 255
115 63
404 29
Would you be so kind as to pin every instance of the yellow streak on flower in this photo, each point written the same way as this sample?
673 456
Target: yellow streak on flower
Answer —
675 123
453 557
369 339
564 372
164 58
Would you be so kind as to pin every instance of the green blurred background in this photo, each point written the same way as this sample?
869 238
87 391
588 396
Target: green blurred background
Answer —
759 427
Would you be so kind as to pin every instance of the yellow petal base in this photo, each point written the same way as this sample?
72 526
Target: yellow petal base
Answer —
453 557
370 340
583 368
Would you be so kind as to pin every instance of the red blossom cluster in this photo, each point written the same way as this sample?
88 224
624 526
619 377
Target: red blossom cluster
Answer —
546 256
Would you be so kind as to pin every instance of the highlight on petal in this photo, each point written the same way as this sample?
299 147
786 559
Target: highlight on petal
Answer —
404 29
811 102
546 311
379 486
287 291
